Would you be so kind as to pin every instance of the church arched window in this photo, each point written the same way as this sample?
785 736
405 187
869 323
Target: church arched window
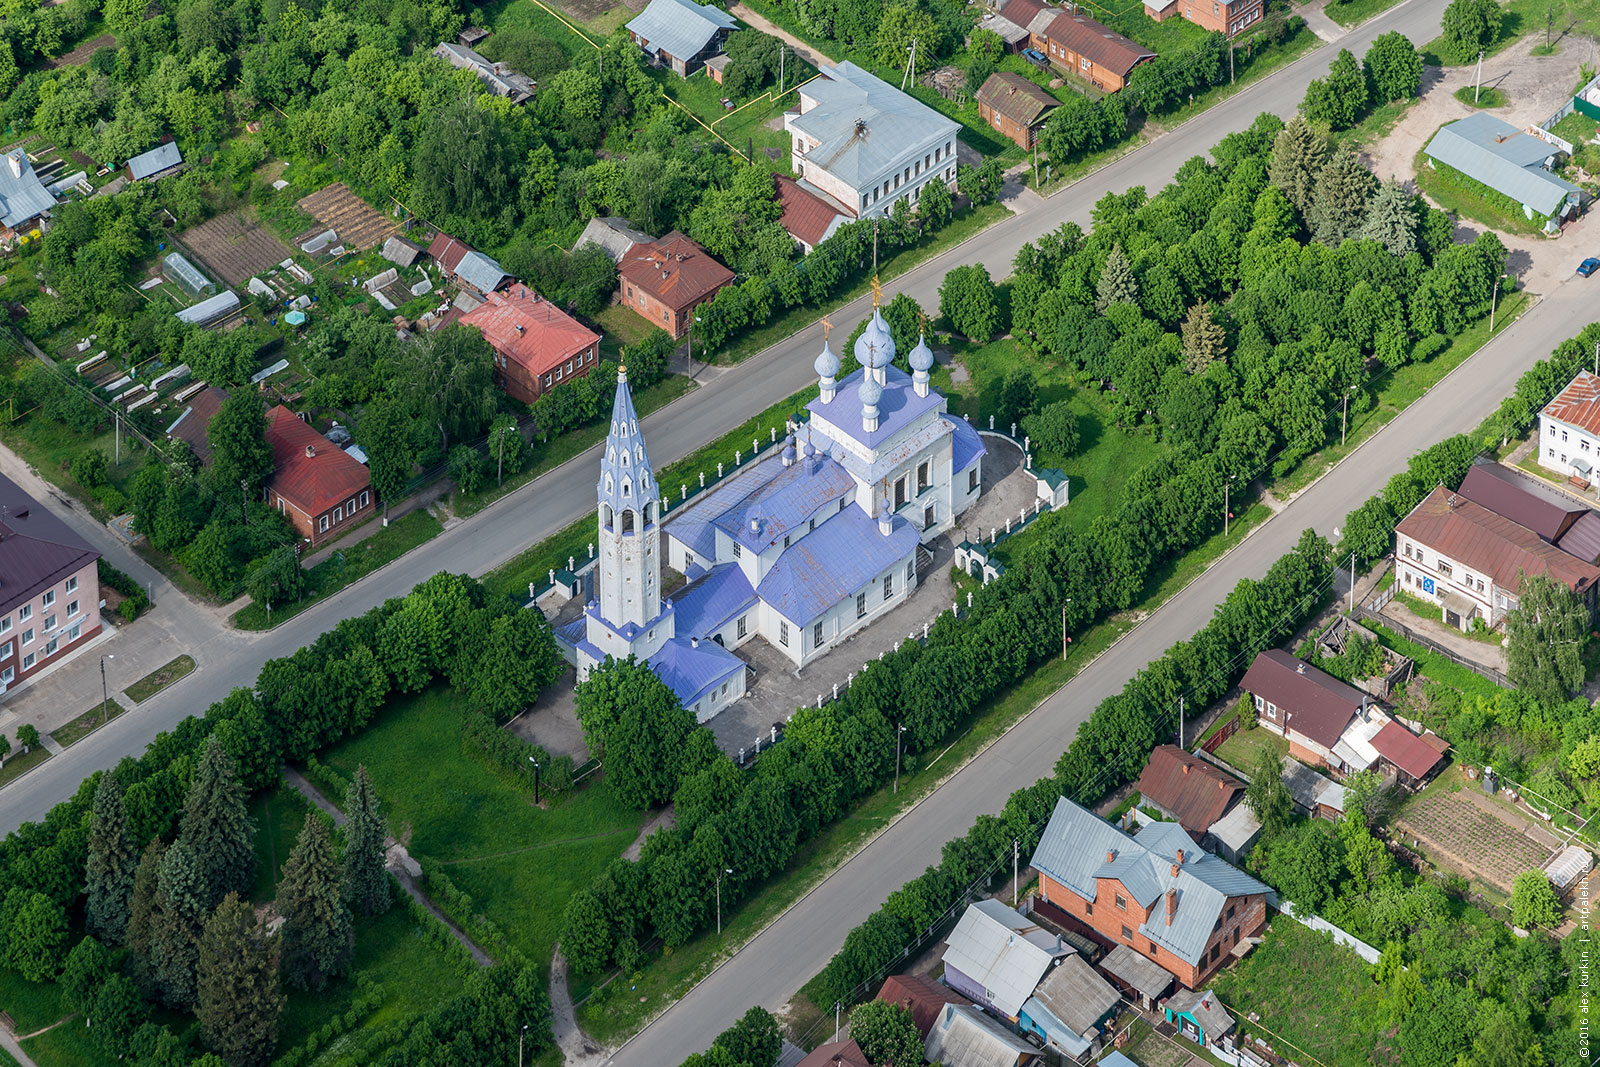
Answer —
627 488
627 521
649 513
605 515
624 458
610 485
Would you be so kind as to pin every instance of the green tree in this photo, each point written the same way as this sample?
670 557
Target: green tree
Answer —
507 449
887 1034
216 826
27 737
366 881
968 301
1545 639
112 864
1534 904
87 968
124 16
1368 797
896 29
241 459
118 1012
318 939
466 468
1393 67
276 578
754 1039
1298 156
464 163
1391 219
34 935
1467 27
635 722
448 376
1267 796
1204 340
1339 206
1116 284
587 938
516 659
181 907
1338 100
1019 393
1303 864
384 434
935 206
1054 429
238 1002
142 916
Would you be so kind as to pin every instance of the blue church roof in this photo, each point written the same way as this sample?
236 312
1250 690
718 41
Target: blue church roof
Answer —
898 407
835 562
786 500
690 671
713 600
966 447
626 465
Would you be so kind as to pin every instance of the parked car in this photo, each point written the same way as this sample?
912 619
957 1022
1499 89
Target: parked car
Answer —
1036 57
1588 266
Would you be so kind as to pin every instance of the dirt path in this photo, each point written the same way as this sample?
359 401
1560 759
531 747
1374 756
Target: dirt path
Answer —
667 817
801 49
576 1048
407 882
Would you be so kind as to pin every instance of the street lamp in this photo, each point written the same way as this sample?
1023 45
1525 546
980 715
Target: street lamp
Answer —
1344 410
898 730
1226 514
105 697
1493 299
520 1036
535 780
1064 638
722 871
695 320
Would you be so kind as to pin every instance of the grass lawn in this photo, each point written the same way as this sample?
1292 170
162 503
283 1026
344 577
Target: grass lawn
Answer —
159 679
332 575
1129 19
278 816
966 224
1422 609
505 14
1377 125
1486 96
32 1005
87 723
1351 12
18 765
68 1045
1576 128
1244 748
7 1059
518 862
1052 178
1520 17
1314 998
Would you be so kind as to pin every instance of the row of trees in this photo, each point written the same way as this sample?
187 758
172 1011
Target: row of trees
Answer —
1391 71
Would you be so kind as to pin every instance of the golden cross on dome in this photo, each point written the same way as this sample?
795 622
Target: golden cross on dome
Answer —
877 291
922 321
827 327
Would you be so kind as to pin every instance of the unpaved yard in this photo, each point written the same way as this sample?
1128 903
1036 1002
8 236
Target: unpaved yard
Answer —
1464 831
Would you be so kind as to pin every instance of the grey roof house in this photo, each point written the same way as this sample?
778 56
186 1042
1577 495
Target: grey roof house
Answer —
1512 163
480 272
681 34
1070 1006
160 161
23 196
498 78
996 956
613 236
866 144
964 1036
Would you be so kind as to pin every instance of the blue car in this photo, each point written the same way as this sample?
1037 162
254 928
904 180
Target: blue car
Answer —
1036 57
1588 266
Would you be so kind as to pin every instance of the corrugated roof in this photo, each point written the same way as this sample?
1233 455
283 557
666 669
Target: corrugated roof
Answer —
1010 32
704 606
966 447
1186 786
694 526
921 996
612 235
1076 995
447 251
1317 704
1144 974
194 424
1405 750
1578 405
1016 98
965 1037
1583 538
1477 538
1100 44
529 330
161 157
1519 498
674 270
836 1054
37 548
681 28
1023 12
401 251
689 669
837 561
806 217
1204 1008
893 127
313 482
1311 790
23 196
1003 951
480 272
1568 867
1504 158
498 78
780 508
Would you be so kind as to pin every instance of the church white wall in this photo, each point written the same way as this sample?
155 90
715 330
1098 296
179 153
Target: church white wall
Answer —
966 487
718 697
839 621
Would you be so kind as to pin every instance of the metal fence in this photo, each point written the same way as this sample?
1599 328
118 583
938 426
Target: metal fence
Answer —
1417 636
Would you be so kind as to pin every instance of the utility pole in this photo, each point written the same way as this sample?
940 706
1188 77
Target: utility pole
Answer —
1352 583
899 729
105 697
836 1022
875 246
519 1043
1344 413
535 780
1477 85
1226 514
721 871
780 68
1016 846
1493 298
1230 62
1064 630
1180 722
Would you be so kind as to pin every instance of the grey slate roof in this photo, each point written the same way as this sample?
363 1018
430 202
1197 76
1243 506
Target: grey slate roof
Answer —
1204 1008
965 1037
613 235
480 272
680 28
22 195
1074 852
1309 789
1070 1003
1004 951
1142 973
894 125
161 157
1496 153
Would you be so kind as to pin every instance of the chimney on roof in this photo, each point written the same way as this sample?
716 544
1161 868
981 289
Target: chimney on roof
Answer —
311 450
1174 870
1180 856
1110 855
1300 668
1205 1003
15 159
520 330
694 642
1221 784
1172 905
1185 768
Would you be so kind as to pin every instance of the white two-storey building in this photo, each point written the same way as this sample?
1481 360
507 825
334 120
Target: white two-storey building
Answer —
1569 430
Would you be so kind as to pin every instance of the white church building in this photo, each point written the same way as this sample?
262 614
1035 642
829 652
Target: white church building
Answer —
803 547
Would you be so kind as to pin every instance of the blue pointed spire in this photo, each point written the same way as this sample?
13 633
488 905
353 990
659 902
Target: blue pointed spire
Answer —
626 478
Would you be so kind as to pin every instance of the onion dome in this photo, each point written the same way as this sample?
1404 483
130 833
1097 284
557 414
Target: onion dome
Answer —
871 392
922 355
874 342
827 364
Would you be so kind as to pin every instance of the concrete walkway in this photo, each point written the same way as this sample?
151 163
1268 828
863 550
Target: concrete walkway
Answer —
576 1048
1318 22
8 1041
298 782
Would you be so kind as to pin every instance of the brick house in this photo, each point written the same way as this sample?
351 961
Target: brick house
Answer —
1228 17
320 489
1187 789
537 346
1074 42
1326 722
1158 894
666 280
49 587
921 996
1015 107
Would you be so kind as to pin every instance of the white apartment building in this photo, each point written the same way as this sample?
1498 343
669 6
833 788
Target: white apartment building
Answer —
1569 430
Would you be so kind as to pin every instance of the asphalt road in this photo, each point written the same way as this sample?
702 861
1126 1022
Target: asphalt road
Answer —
788 953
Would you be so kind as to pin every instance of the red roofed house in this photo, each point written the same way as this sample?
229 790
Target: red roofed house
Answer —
921 996
1186 788
537 346
808 217
447 252
1073 41
319 488
1327 723
665 280
836 1054
1415 759
1569 430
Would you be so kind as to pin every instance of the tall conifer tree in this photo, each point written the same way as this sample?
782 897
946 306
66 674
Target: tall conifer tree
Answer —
142 916
237 1002
216 826
113 862
180 916
317 936
366 883
1298 156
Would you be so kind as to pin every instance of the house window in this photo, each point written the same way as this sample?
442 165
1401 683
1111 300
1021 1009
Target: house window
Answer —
1083 64
783 634
322 524
1563 436
50 647
547 381
743 627
1230 914
888 585
350 506
364 498
922 476
1552 431
49 598
1088 908
1215 950
1584 444
1444 568
5 625
816 636
1260 704
1550 452
1480 585
338 513
6 650
736 552
1408 577
73 634
27 637
1272 710
899 492
911 571
861 605
72 584
50 621
1127 935
1122 905
785 540
27 661
8 674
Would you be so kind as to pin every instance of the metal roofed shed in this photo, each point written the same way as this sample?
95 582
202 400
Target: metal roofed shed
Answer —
211 309
613 236
186 275
1312 792
480 272
1235 834
996 956
1568 868
1512 163
966 1037
23 196
1142 976
1070 1005
680 28
156 162
1199 1015
401 252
